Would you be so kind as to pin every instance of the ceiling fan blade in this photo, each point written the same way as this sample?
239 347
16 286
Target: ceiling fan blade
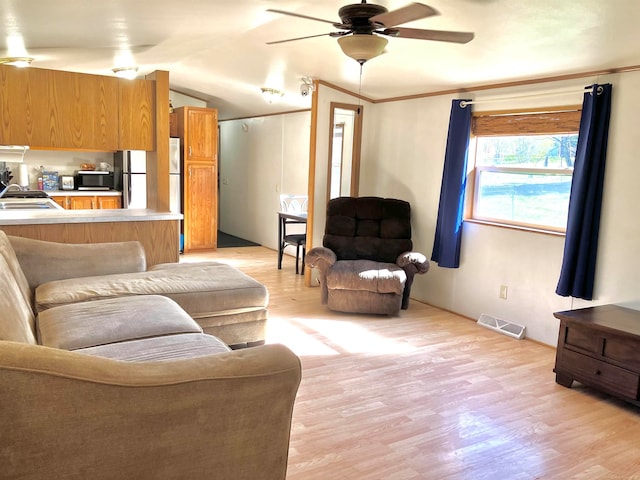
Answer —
282 12
302 38
413 11
437 35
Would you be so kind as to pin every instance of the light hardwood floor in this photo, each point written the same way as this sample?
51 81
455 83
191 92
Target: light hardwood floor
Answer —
430 395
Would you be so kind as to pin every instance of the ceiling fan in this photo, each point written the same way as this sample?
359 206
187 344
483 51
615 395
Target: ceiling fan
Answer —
362 25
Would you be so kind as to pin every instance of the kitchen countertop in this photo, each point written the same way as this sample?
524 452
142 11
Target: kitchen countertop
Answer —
39 217
83 193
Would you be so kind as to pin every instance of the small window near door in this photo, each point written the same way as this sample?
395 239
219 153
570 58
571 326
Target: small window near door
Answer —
523 167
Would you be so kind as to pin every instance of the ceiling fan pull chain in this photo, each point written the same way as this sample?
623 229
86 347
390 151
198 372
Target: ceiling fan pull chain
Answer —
360 88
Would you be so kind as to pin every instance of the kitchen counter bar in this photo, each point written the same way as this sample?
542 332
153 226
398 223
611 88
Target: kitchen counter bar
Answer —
39 217
83 193
158 232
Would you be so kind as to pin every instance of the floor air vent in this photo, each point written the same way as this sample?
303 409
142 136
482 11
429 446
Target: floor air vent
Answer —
512 329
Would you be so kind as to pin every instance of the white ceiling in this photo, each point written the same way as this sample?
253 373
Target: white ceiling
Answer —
215 49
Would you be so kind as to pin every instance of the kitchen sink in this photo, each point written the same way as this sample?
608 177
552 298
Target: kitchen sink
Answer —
28 204
24 194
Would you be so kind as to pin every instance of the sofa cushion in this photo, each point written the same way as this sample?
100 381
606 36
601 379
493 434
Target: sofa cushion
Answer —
17 322
201 289
43 261
367 275
7 251
157 349
88 324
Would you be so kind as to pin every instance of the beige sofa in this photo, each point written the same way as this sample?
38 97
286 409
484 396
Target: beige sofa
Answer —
131 387
222 299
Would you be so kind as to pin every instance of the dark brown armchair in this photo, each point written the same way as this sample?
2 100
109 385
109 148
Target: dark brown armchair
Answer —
366 264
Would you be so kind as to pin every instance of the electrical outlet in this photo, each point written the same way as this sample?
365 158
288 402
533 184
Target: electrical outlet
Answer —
503 292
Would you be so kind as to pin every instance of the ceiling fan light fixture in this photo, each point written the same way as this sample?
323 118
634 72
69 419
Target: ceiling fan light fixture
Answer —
126 72
362 47
271 95
19 62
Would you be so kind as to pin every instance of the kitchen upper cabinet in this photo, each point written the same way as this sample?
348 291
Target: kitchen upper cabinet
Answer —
198 130
52 109
16 106
136 114
55 109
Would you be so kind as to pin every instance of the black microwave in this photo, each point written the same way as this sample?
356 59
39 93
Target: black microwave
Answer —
93 180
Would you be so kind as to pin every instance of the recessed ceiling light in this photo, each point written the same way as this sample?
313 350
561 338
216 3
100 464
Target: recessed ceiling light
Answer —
126 72
16 61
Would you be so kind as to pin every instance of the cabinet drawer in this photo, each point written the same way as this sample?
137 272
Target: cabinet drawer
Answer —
623 350
584 339
596 373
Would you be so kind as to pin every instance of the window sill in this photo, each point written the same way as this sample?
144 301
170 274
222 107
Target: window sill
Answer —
515 227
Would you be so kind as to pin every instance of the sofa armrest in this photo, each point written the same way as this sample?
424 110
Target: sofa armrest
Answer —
69 415
44 261
412 263
321 258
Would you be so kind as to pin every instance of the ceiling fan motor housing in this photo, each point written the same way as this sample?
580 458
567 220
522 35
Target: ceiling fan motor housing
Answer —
356 17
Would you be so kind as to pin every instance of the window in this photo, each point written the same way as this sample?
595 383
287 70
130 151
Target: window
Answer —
523 168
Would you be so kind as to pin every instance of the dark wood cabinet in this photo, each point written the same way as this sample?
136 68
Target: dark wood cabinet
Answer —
600 347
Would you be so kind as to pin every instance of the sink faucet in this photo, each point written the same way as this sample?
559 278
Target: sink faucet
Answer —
8 187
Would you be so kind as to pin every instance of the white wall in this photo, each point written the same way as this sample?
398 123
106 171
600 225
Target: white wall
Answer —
261 158
326 95
405 144
180 100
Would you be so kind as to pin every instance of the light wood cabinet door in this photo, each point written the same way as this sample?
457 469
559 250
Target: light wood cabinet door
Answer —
200 207
136 114
88 202
81 203
198 131
202 134
108 202
16 101
52 109
74 110
55 109
60 200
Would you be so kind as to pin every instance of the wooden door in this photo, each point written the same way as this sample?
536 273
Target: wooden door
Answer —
200 207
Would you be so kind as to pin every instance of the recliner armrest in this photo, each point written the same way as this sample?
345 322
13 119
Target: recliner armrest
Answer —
415 259
411 263
320 257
